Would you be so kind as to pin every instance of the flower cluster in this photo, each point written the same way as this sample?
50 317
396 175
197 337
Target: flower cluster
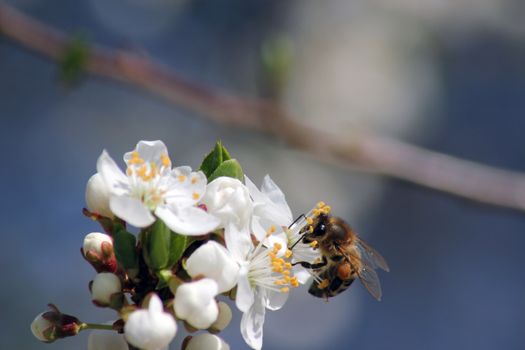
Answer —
200 236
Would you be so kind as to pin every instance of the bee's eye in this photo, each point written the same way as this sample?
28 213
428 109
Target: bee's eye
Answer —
337 232
319 230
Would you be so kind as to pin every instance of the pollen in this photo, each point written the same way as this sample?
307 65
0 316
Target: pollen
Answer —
277 246
194 180
195 195
272 230
288 253
165 160
321 204
323 284
182 178
314 244
309 220
311 229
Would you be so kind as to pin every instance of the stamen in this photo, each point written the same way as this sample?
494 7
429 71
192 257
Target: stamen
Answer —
288 253
165 160
182 178
194 180
314 244
195 195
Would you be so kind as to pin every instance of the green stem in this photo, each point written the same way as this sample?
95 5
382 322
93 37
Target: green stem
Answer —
106 327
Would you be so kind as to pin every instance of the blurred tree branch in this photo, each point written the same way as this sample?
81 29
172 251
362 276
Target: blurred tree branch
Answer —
368 152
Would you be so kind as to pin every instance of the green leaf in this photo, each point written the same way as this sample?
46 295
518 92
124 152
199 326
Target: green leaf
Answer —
177 247
157 246
124 246
225 154
213 159
229 168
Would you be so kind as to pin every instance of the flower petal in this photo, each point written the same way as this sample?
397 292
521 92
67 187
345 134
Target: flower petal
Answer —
275 299
238 242
195 303
114 178
274 193
252 323
212 260
190 221
206 341
150 151
131 210
245 294
185 185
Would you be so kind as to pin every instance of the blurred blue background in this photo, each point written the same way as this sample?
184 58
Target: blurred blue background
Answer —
447 75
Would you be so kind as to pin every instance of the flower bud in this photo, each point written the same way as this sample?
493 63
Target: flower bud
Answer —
106 341
195 303
152 328
97 196
206 341
98 251
104 287
224 318
212 260
52 325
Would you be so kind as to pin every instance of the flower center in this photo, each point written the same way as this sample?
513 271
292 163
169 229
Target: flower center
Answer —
146 179
269 270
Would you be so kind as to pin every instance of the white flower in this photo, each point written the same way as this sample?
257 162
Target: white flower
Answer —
104 286
212 260
97 196
224 318
41 328
271 213
150 185
152 328
195 303
206 341
229 200
94 242
104 340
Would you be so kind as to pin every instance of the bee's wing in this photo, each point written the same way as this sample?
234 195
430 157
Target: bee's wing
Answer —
371 257
368 277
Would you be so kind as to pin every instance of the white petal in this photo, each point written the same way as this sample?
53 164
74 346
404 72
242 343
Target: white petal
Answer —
195 303
206 341
275 300
252 323
212 260
131 210
274 193
224 318
258 229
238 242
280 239
185 186
191 221
150 151
104 286
302 274
39 327
94 240
255 193
104 340
114 178
245 294
97 196
150 329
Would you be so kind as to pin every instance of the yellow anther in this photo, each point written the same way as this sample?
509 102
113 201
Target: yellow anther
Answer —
321 204
316 212
165 160
326 209
272 230
277 246
309 220
141 172
294 282
272 255
323 284
313 244
285 289
277 269
287 279
286 272
182 178
288 253
195 195
311 229
278 282
287 265
194 180
129 171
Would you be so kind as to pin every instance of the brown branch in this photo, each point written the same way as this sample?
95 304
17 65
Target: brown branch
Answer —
384 156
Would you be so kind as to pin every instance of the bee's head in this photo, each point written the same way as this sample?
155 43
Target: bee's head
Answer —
336 230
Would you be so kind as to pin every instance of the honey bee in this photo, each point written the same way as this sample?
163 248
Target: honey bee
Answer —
345 256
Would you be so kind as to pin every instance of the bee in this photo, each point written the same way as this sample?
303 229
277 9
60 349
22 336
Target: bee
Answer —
345 256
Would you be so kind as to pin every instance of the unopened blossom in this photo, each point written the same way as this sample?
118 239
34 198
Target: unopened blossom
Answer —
272 213
106 340
98 250
214 261
104 286
229 200
151 328
151 188
97 196
224 318
42 329
195 303
206 341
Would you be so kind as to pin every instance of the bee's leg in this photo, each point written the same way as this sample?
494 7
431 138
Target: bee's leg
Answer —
313 266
